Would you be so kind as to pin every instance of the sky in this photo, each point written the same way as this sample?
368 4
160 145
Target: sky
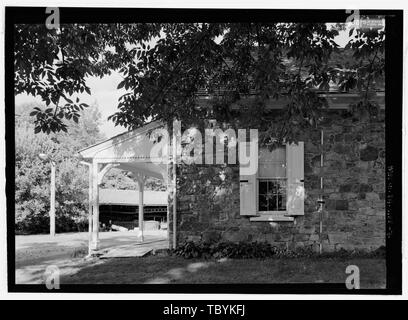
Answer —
105 94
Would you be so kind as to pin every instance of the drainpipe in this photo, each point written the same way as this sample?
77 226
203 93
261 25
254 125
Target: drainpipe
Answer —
141 181
321 199
89 205
174 205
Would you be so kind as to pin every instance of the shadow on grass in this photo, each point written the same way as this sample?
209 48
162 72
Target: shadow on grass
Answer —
150 269
36 274
173 269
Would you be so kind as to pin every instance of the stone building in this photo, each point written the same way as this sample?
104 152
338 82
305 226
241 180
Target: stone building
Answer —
326 192
341 164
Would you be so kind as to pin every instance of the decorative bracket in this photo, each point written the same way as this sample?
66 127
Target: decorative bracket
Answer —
104 170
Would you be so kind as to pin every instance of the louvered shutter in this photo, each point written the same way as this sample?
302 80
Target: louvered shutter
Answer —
295 179
247 186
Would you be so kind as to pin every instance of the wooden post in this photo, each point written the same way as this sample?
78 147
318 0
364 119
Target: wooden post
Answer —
90 197
90 201
140 181
95 205
52 200
174 189
166 179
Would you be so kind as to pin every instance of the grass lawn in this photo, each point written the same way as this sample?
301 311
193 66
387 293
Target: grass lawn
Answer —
173 269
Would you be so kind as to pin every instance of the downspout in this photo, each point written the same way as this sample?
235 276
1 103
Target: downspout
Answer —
174 168
321 199
89 205
140 181
169 188
174 205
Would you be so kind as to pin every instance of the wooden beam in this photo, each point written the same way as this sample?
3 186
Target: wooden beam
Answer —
95 205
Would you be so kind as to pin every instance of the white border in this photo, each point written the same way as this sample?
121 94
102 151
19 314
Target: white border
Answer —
253 4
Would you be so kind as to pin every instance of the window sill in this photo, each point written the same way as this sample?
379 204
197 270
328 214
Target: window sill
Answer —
272 218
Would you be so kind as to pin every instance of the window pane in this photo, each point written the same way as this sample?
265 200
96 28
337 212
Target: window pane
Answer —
274 186
281 202
273 203
263 203
282 186
269 195
263 187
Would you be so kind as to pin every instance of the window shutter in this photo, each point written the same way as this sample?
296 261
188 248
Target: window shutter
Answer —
247 189
295 179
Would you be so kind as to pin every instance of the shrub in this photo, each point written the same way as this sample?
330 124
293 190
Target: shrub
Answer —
242 250
262 250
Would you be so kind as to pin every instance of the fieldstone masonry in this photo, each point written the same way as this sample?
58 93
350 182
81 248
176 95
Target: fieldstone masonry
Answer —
353 188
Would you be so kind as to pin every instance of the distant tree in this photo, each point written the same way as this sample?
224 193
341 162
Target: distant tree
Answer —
165 65
118 179
122 180
32 176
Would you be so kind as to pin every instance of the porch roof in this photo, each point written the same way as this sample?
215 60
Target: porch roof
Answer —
130 151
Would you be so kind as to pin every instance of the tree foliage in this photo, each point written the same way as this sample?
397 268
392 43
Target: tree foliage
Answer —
54 65
33 175
166 66
122 180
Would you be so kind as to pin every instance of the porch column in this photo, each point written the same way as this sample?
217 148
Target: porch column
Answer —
140 182
95 207
90 205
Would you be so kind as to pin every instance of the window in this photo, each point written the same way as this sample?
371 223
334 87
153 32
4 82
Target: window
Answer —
272 195
272 181
276 191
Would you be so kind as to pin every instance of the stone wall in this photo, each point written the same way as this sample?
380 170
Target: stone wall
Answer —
354 191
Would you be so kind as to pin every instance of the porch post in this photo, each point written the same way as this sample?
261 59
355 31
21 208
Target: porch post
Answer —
95 209
140 181
166 179
90 216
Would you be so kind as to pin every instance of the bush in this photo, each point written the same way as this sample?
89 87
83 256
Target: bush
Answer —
262 250
40 223
241 250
